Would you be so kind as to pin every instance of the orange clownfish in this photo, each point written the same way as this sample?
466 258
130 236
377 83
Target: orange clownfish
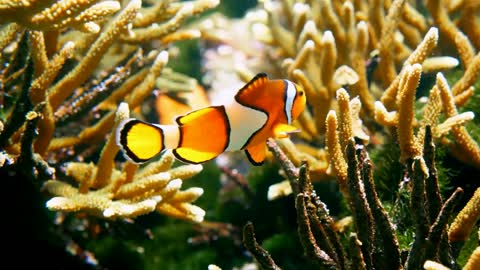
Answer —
261 109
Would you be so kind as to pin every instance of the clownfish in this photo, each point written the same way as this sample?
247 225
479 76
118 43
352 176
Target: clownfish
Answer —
261 109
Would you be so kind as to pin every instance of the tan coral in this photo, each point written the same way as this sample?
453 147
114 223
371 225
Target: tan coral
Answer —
110 193
409 147
439 63
48 24
63 88
431 265
359 63
464 147
400 95
440 16
469 76
463 224
138 91
335 152
439 98
387 41
340 131
316 157
53 15
465 49
473 261
420 53
279 190
162 21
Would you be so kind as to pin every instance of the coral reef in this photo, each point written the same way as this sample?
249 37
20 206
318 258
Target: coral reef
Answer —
315 52
63 96
380 176
380 56
66 66
379 247
127 193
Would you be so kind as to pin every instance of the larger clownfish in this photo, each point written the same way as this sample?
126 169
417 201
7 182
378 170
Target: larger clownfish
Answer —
263 108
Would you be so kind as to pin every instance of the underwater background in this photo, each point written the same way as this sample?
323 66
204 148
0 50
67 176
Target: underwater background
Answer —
383 175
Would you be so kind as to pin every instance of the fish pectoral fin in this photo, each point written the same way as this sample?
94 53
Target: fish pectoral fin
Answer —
256 154
283 130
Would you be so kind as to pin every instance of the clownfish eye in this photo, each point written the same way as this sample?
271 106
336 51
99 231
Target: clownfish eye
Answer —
300 93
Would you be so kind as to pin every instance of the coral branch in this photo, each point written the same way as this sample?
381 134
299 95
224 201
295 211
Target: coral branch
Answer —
474 260
433 198
465 147
357 260
306 236
290 170
23 105
80 73
156 187
438 229
418 172
409 147
464 223
384 229
337 161
260 254
358 204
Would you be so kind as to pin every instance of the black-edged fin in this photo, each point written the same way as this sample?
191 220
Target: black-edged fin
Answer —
138 140
256 154
204 134
247 91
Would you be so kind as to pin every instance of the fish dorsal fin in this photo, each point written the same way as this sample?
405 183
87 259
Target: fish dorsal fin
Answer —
193 116
248 92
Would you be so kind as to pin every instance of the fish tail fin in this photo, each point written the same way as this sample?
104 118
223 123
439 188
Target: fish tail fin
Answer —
139 141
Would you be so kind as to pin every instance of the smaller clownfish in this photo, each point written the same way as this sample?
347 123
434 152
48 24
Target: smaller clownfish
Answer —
261 109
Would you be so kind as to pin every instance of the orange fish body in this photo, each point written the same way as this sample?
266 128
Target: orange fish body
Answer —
263 108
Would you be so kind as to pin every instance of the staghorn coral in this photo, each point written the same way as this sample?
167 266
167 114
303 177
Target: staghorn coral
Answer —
404 101
66 65
53 15
383 54
473 262
48 32
71 94
400 98
463 224
127 193
376 46
375 230
404 119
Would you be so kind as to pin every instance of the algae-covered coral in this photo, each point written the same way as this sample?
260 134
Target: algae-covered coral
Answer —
381 176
